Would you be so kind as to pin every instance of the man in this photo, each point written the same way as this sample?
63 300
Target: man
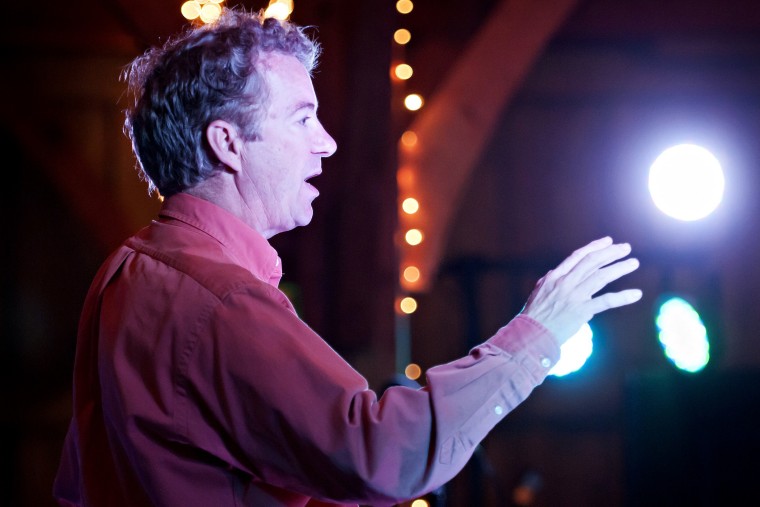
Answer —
195 382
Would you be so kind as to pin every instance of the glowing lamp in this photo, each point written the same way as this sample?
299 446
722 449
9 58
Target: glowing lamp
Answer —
402 36
210 12
686 182
403 71
410 206
575 352
412 274
413 101
408 305
191 10
682 335
409 138
279 9
413 237
404 6
412 371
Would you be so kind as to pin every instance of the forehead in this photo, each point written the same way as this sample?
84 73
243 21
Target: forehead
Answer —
289 84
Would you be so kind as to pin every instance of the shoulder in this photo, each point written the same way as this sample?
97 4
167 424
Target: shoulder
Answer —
166 252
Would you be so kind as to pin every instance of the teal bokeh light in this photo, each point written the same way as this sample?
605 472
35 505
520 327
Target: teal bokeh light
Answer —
683 335
575 352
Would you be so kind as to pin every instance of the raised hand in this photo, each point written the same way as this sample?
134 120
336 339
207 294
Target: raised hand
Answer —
563 299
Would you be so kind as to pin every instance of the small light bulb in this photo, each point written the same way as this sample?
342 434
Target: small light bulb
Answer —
210 13
413 101
404 6
403 71
412 371
412 274
279 10
190 10
402 36
405 176
414 237
410 205
408 305
409 138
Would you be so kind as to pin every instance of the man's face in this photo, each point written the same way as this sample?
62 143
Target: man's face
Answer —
288 150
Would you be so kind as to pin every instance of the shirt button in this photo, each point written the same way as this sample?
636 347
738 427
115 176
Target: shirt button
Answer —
498 410
546 362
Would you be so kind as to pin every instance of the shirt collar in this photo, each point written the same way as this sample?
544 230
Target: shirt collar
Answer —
249 248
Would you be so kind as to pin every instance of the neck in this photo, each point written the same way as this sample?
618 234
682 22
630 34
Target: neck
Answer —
222 190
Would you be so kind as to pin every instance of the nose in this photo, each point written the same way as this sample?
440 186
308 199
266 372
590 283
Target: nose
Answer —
324 144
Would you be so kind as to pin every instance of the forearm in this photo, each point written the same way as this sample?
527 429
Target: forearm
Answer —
411 442
308 422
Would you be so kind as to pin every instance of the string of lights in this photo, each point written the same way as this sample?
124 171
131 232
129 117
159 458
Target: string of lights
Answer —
203 11
208 11
411 230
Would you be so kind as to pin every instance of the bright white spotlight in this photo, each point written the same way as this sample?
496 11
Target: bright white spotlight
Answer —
682 335
686 182
575 352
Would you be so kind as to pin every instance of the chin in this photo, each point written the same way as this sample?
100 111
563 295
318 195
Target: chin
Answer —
304 218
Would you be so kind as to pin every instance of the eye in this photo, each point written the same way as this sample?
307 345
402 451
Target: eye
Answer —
303 120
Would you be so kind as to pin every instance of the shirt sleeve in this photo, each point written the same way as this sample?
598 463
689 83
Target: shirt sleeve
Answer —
271 398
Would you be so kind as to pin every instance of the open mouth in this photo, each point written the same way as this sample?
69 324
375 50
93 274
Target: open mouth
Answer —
311 176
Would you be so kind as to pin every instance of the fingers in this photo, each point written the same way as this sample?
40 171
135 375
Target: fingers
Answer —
577 256
614 300
593 261
599 279
563 299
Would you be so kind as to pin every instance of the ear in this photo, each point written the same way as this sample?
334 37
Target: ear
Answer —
226 143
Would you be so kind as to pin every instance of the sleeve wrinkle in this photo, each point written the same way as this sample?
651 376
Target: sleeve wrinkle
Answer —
336 438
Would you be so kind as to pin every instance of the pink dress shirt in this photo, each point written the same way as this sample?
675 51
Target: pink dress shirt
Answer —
196 384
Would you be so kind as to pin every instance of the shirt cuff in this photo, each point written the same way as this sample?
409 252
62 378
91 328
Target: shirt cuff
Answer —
530 344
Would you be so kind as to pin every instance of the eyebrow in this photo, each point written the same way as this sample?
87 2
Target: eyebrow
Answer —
303 105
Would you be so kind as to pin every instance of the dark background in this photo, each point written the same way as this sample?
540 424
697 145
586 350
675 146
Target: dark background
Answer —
616 83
